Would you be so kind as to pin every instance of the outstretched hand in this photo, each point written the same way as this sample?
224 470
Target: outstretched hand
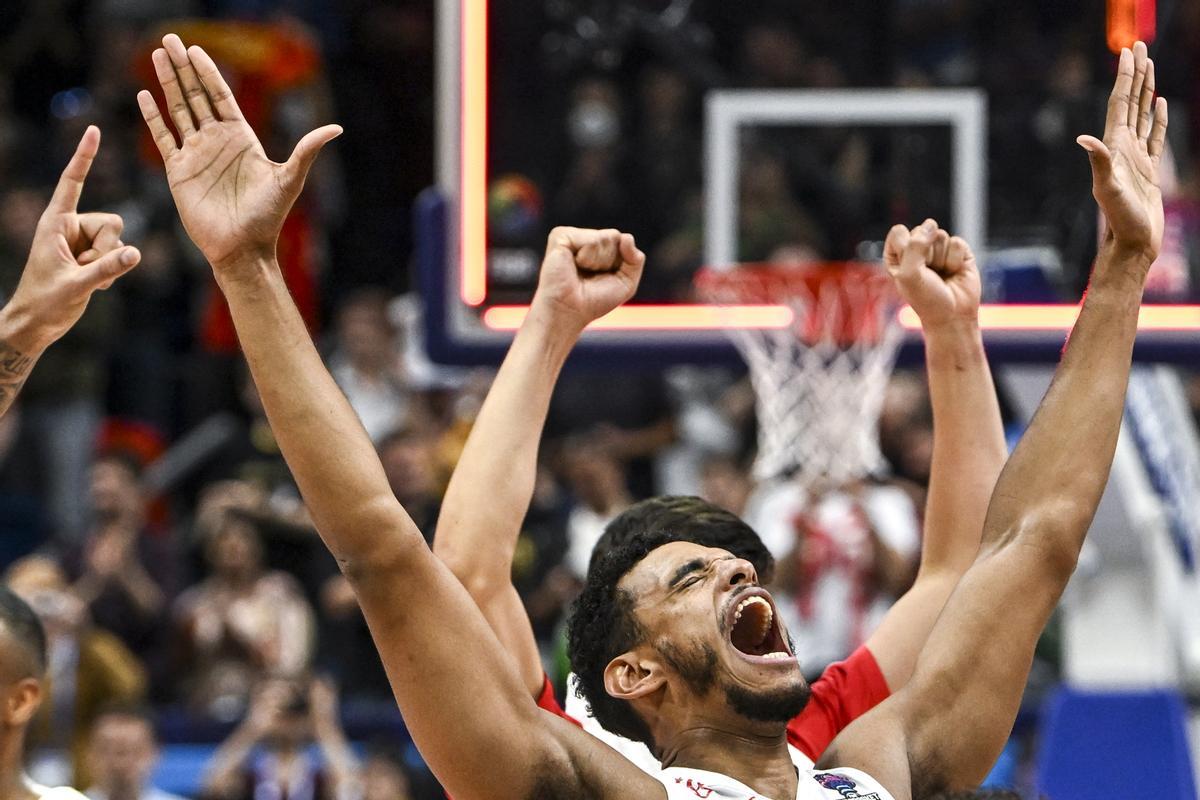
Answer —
587 273
1125 164
934 272
72 255
231 197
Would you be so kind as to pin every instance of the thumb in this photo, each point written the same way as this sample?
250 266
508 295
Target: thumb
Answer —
1098 154
306 152
101 273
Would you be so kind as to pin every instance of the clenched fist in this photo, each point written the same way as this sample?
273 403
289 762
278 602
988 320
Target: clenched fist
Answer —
586 274
934 272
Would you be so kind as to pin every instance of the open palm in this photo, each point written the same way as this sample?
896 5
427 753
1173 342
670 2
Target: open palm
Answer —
1125 164
231 197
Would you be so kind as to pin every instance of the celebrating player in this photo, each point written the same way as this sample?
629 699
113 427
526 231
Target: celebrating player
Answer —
487 498
22 689
72 256
678 647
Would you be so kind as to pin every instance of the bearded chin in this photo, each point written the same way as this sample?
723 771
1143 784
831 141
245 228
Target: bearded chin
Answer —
774 705
697 665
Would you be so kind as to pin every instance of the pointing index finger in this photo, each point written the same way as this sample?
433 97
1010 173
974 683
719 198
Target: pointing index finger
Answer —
66 194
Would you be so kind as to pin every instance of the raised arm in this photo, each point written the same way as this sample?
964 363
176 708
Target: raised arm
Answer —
72 256
463 702
946 728
937 275
585 275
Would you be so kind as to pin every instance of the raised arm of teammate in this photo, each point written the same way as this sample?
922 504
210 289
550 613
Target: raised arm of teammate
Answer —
462 700
946 728
937 275
72 256
585 274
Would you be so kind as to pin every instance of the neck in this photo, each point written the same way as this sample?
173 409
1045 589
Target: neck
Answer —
759 759
12 767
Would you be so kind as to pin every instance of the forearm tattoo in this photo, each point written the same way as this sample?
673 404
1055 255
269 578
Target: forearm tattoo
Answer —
14 369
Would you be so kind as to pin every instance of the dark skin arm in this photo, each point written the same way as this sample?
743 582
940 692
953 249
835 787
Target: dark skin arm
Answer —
73 255
462 699
946 728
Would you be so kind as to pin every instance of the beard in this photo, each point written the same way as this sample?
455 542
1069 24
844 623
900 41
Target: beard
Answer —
697 665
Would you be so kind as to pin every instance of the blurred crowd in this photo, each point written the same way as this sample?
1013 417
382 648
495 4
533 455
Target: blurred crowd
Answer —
145 510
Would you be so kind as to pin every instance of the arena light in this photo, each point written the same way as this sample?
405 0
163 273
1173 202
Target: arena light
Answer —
1129 21
473 180
767 317
1062 317
662 317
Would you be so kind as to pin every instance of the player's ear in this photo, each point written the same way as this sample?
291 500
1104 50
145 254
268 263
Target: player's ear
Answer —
22 701
629 676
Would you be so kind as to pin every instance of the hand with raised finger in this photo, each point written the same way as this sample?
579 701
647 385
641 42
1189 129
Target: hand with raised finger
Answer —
935 273
1125 163
586 274
72 255
231 197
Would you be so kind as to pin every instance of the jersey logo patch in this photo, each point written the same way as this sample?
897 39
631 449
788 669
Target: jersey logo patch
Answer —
843 785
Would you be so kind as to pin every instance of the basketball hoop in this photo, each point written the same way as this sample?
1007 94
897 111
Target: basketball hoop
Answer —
820 380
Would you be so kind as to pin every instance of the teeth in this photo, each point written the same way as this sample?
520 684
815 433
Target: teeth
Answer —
742 606
777 656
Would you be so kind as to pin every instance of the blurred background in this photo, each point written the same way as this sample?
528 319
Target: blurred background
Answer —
201 635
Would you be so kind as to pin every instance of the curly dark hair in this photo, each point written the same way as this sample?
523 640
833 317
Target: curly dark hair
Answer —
688 519
603 626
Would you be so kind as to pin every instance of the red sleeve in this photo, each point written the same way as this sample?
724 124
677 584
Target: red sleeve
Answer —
844 692
548 702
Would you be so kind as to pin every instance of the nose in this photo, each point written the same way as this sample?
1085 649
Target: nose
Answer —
736 571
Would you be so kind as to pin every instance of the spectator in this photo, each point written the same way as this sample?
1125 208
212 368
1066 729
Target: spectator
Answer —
121 595
384 778
597 481
845 555
88 669
268 755
367 366
122 755
726 483
241 621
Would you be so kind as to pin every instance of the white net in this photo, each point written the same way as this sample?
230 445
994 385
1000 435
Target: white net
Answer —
819 381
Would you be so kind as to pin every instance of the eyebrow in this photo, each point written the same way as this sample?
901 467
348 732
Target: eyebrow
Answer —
687 569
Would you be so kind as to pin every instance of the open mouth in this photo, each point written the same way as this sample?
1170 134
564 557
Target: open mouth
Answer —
753 629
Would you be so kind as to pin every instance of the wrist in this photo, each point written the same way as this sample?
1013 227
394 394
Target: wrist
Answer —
956 345
1122 265
246 271
557 332
21 329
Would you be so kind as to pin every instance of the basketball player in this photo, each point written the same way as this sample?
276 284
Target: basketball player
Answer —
675 644
22 688
487 498
72 256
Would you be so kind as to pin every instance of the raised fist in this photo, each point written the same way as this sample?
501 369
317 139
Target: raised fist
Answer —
934 272
586 274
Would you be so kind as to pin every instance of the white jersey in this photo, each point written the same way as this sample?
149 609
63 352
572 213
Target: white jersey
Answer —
837 784
636 752
688 784
55 793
